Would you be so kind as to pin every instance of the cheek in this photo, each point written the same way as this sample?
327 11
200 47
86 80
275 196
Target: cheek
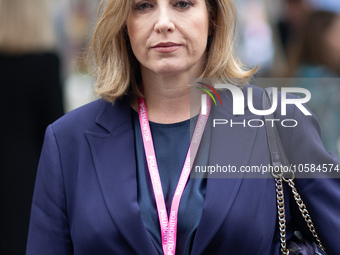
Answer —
132 31
337 41
334 43
197 31
202 36
136 36
334 38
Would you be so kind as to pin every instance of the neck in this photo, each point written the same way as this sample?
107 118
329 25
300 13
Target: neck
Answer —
168 97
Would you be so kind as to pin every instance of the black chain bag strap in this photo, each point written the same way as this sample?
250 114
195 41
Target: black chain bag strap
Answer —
298 245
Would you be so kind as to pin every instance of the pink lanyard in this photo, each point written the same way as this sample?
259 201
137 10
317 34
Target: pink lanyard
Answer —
169 227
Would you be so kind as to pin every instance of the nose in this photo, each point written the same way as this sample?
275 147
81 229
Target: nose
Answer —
164 23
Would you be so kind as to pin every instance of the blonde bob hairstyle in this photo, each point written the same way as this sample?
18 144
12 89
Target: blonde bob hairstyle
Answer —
118 71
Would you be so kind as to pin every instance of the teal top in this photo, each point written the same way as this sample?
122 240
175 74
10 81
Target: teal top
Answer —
171 143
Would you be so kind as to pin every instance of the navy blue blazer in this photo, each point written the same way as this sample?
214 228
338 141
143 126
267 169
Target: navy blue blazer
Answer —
85 199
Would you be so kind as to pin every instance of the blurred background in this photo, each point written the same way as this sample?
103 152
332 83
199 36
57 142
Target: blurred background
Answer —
43 76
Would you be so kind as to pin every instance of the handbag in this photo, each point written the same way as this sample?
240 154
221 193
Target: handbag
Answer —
298 244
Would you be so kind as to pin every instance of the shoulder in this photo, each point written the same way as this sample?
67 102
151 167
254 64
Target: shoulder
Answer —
296 124
31 66
47 62
49 58
285 99
81 119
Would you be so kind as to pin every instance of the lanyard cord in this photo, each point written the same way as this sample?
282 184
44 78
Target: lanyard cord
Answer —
169 225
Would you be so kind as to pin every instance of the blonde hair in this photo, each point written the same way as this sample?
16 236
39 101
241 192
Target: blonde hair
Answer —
118 71
25 26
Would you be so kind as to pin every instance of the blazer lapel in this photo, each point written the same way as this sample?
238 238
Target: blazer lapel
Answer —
229 146
114 160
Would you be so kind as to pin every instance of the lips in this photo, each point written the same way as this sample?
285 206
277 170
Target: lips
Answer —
166 47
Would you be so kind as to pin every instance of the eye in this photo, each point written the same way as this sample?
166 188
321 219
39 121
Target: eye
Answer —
183 4
142 6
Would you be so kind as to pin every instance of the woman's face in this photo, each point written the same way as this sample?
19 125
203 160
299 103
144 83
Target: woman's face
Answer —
169 36
333 40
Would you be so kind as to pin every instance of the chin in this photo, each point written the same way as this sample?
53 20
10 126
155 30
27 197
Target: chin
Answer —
160 69
171 69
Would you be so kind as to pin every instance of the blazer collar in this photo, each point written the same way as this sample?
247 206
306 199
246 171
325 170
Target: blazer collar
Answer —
229 146
114 115
114 159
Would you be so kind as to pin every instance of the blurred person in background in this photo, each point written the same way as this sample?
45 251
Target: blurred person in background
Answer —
319 46
31 99
318 56
78 83
294 15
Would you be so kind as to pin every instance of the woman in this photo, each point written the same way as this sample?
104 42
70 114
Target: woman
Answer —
94 193
318 46
318 56
31 99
